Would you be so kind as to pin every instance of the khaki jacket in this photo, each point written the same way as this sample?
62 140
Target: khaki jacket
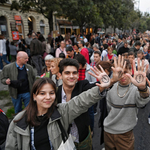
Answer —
18 136
10 71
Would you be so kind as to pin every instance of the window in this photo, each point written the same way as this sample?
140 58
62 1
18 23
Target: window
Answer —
42 27
62 30
3 26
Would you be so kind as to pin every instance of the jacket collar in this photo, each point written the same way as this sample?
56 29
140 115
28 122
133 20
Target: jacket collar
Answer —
56 115
23 123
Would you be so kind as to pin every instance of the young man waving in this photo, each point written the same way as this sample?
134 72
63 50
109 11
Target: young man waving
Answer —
124 99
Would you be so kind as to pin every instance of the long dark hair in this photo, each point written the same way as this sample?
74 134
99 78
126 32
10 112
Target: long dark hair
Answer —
31 109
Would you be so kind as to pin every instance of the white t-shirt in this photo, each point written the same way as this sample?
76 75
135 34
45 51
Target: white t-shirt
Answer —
104 53
85 40
3 47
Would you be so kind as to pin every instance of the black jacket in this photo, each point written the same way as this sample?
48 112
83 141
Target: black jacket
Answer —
82 122
4 124
36 47
122 50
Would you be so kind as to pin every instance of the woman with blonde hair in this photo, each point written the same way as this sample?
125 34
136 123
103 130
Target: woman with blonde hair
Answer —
55 71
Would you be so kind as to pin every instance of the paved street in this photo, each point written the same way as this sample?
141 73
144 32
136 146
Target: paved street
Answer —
96 138
142 130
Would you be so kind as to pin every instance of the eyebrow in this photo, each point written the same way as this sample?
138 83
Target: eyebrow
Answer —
70 71
44 91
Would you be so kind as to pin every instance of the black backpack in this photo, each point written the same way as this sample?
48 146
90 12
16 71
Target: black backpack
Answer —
4 124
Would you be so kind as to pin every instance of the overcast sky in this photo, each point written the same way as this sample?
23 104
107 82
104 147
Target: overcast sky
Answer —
144 5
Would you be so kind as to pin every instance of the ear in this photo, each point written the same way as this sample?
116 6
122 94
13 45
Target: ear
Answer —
59 75
78 75
34 97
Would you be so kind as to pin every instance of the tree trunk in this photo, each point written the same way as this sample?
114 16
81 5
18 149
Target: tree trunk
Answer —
50 21
105 29
114 29
81 29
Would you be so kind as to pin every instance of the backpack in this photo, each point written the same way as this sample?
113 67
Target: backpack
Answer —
4 124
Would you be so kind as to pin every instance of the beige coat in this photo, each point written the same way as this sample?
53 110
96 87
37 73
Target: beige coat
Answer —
18 136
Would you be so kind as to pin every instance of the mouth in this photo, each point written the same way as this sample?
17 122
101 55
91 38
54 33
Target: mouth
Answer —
123 80
48 102
71 80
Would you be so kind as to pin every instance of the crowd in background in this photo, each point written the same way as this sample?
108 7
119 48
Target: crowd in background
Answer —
45 54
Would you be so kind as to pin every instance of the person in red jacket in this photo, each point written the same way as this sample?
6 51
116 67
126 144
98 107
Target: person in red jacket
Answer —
84 51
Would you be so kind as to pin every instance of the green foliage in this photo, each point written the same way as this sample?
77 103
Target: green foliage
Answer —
4 95
148 23
83 13
88 13
45 7
10 113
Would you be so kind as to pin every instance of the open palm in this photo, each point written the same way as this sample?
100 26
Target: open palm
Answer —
139 78
101 76
118 69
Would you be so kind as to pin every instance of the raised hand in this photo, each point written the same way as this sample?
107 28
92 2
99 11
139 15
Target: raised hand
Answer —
118 68
139 78
148 82
101 76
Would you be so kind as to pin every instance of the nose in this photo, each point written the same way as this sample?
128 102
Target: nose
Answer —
71 75
123 75
47 96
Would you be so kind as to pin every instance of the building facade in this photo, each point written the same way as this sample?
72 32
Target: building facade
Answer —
14 23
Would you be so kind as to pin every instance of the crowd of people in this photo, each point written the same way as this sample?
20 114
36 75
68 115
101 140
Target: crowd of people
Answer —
75 76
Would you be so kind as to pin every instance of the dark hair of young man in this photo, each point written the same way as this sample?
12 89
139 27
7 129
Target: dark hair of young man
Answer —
105 65
76 44
68 62
62 55
105 46
81 59
120 37
29 34
137 43
128 64
12 43
69 48
131 53
87 44
38 32
97 52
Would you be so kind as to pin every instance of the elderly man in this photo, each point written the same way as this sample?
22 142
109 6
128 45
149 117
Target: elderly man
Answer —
19 76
